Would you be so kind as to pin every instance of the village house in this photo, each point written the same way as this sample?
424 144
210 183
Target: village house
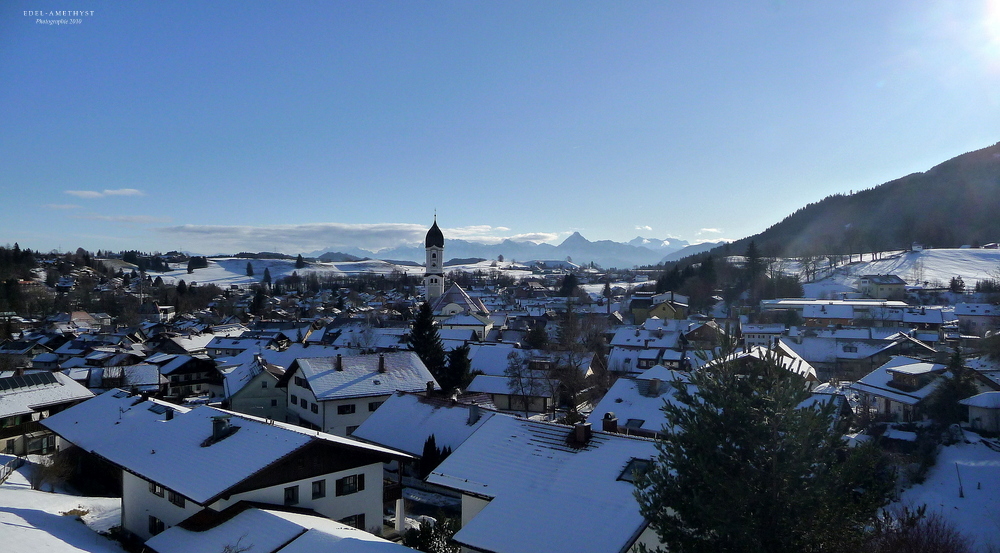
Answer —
26 400
177 462
542 480
897 389
887 287
337 394
266 530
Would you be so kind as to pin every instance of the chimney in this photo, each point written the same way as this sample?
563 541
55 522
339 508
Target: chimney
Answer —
610 422
220 427
654 386
430 387
381 363
340 362
169 414
581 433
473 414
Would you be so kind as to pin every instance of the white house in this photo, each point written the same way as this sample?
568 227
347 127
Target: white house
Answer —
177 462
337 394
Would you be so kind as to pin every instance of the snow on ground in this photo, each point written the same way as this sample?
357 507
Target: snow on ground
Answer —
226 271
32 520
932 266
977 514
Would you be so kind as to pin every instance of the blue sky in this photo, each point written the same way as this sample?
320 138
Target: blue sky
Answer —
296 126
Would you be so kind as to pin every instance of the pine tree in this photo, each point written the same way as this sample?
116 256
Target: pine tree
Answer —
742 468
569 285
267 276
249 269
299 262
426 342
458 375
943 403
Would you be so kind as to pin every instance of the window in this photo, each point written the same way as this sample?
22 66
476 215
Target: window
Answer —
635 467
263 384
175 378
635 423
373 405
155 489
350 484
850 349
314 408
176 498
274 403
319 489
295 399
299 381
291 495
351 429
303 403
356 521
155 525
345 409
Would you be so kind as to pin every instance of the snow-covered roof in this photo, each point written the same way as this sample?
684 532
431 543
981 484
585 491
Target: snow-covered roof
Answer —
134 434
634 402
359 375
556 496
20 395
489 359
877 381
985 400
487 384
271 531
405 421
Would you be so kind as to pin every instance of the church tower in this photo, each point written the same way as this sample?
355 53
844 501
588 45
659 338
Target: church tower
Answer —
434 273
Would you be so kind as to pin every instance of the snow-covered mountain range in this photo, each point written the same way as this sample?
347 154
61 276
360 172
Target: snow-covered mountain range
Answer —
606 253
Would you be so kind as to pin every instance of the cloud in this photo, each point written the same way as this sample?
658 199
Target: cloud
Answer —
61 206
644 227
96 194
709 231
84 193
329 236
146 219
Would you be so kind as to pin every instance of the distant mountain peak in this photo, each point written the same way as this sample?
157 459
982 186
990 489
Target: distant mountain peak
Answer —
574 239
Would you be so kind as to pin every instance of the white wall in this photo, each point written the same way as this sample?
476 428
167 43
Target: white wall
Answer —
138 504
367 501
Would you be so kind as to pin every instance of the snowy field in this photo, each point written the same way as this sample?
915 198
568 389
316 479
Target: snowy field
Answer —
936 267
32 520
977 515
226 271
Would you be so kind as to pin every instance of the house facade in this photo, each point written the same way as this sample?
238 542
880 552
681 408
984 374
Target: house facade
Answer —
176 462
337 394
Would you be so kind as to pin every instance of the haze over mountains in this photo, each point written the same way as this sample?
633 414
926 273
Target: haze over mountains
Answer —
607 253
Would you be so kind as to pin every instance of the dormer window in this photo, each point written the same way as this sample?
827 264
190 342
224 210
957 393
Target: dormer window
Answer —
636 468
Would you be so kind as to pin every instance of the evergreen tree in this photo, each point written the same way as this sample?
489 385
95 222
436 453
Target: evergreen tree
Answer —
942 403
458 375
181 288
430 457
299 262
742 468
537 337
569 285
267 276
426 342
249 269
